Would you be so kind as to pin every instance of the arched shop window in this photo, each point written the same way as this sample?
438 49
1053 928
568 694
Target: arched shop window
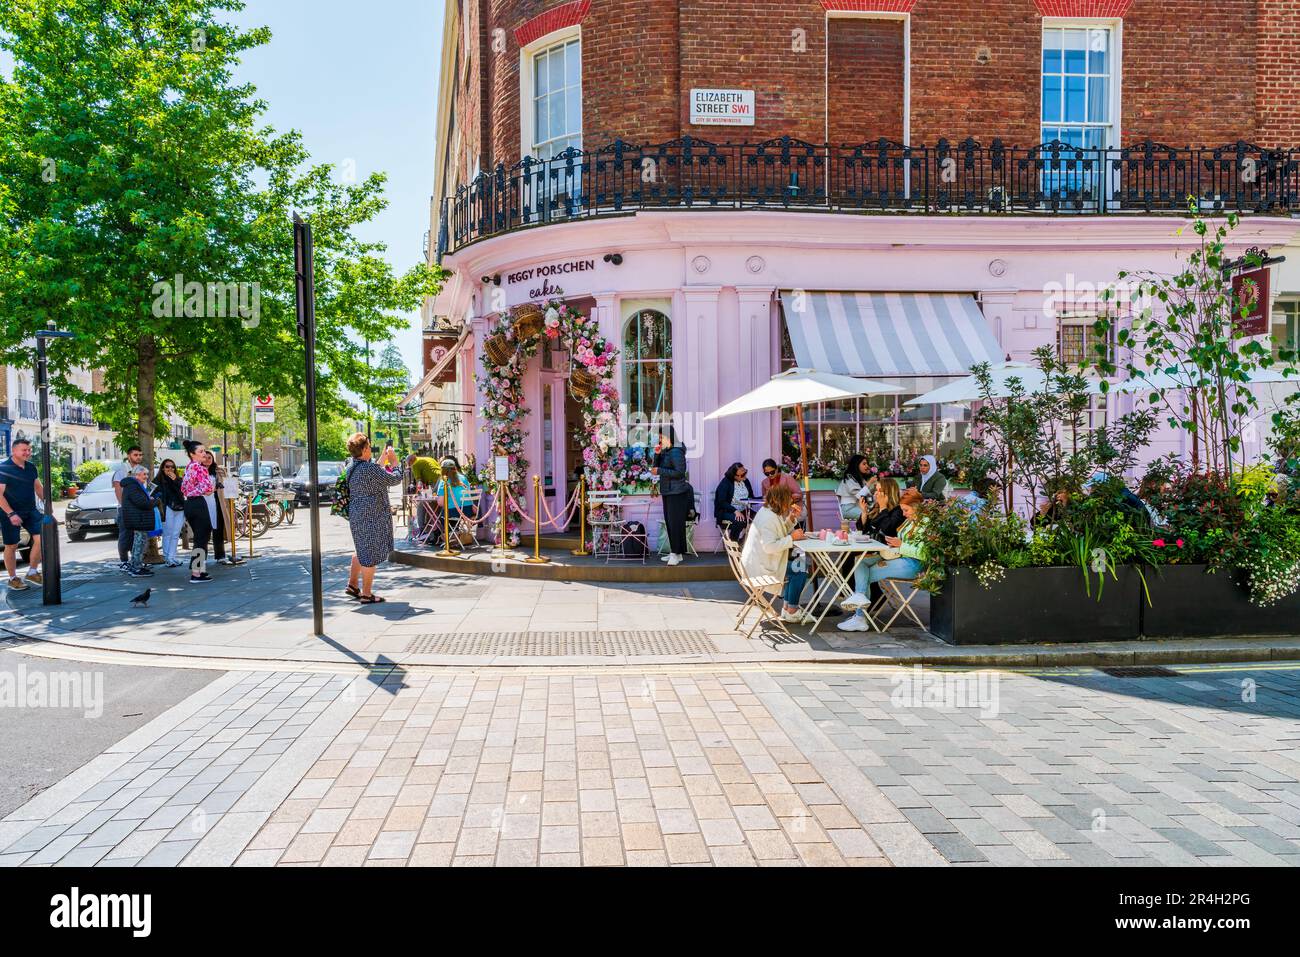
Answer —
647 373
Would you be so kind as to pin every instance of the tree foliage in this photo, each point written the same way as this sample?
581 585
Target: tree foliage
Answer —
130 157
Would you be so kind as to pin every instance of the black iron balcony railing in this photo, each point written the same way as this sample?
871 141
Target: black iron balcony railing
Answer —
73 414
884 176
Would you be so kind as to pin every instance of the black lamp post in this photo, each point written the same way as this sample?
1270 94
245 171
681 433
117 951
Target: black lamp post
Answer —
52 589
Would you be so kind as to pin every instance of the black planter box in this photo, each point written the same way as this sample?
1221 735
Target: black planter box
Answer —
1036 605
1189 602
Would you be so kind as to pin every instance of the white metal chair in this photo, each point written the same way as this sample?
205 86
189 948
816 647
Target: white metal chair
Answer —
891 593
604 514
760 592
663 542
464 530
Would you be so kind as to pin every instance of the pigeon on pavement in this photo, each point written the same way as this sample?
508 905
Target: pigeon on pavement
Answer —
141 600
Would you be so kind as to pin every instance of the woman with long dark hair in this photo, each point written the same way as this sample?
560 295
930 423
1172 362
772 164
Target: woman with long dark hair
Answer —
852 490
167 489
676 492
199 488
219 529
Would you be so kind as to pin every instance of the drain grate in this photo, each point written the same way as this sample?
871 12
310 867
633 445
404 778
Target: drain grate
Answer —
1142 671
563 643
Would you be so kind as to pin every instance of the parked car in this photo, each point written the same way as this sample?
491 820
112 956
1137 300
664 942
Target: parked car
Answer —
269 476
327 474
93 510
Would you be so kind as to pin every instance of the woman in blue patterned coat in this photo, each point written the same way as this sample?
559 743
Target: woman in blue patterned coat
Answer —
369 513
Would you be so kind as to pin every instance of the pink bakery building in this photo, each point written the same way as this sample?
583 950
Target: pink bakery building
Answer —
714 260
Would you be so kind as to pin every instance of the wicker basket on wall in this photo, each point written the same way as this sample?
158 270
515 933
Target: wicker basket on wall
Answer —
581 382
528 322
498 349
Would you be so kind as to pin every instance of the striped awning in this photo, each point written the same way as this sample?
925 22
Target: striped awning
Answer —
888 333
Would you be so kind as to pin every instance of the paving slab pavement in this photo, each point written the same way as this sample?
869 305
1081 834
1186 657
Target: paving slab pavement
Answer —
261 612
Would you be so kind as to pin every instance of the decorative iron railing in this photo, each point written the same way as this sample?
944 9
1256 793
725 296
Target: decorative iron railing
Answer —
73 414
884 176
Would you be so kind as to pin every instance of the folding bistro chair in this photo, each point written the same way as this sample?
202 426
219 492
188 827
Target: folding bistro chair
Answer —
760 592
891 593
465 530
608 515
423 516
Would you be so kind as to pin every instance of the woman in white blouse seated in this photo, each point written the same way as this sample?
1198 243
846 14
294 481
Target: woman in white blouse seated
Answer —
854 487
772 534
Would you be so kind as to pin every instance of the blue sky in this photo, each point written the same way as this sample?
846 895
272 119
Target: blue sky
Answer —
360 82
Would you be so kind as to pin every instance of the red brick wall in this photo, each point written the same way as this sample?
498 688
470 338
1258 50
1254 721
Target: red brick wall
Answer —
1188 72
1277 73
954 95
864 80
1193 71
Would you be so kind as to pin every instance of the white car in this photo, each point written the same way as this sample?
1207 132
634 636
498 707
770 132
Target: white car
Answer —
93 510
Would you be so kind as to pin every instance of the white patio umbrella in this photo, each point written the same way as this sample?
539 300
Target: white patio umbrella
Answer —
968 389
798 387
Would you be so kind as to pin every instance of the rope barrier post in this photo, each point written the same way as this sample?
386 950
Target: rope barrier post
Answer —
537 557
230 522
502 550
582 548
446 523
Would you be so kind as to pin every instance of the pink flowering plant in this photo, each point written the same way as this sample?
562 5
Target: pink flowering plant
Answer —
504 408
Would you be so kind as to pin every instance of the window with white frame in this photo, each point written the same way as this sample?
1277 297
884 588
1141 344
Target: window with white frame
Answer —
556 120
1078 85
1286 325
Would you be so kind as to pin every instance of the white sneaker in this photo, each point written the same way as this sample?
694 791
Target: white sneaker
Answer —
857 623
664 558
855 601
674 560
794 617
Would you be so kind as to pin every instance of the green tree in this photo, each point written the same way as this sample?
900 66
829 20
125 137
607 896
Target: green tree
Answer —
1185 336
132 164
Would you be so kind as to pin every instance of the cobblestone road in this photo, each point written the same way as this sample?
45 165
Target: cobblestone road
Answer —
692 765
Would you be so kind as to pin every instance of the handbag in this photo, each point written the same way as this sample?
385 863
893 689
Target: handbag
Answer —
157 524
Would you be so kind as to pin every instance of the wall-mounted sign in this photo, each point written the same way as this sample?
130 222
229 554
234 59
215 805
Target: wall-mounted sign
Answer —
545 272
1251 292
436 348
722 107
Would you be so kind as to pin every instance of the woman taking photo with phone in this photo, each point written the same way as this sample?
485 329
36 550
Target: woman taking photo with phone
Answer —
370 516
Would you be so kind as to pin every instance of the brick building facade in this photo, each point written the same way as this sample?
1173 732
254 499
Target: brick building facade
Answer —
1190 72
715 250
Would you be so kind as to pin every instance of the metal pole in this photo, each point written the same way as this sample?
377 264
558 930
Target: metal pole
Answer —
538 558
304 260
52 589
225 433
582 518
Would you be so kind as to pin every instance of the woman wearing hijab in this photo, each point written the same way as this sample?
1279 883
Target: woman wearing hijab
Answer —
678 498
931 483
167 485
199 489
